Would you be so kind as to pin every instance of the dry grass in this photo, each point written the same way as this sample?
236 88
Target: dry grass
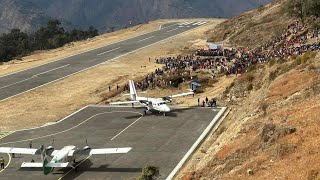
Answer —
253 28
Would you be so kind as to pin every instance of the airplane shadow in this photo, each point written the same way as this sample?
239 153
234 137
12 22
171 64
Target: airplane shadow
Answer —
85 166
172 113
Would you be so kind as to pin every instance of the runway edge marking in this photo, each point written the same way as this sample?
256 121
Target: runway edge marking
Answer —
110 60
53 122
9 161
196 144
5 134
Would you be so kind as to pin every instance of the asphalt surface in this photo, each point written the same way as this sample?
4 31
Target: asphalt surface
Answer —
156 140
24 81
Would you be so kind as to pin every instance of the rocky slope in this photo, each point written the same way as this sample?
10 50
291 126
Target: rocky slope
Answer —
20 14
104 14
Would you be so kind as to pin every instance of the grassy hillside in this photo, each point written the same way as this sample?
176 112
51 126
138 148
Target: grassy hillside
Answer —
252 28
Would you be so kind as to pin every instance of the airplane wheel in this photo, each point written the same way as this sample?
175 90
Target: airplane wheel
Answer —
145 112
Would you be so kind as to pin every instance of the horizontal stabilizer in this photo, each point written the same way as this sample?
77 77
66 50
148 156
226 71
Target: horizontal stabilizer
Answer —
124 102
182 94
57 165
11 150
27 164
110 151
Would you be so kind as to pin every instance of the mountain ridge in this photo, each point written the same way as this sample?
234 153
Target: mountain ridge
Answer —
28 15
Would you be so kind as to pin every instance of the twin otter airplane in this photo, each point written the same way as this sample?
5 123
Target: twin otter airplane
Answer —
60 158
157 104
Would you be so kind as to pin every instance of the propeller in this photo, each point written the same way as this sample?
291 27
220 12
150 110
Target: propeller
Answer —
87 146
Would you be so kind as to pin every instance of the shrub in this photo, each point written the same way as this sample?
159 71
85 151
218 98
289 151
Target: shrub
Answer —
252 68
149 173
273 75
199 90
281 61
250 87
249 77
272 62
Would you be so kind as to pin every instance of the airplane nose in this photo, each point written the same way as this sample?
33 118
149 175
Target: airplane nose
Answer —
167 109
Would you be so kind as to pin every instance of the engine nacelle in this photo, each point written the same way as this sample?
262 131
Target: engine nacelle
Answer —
49 150
86 148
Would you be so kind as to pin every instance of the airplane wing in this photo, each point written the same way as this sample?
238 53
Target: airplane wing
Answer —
182 94
11 150
124 102
40 165
110 151
177 95
100 151
57 165
25 164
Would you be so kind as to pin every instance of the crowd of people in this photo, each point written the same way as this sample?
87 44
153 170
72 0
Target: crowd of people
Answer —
296 40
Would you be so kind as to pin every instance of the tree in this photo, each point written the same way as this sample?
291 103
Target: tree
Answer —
149 173
92 32
313 7
303 8
17 43
296 8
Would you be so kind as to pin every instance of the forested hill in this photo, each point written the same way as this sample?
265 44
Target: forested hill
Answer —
17 43
28 15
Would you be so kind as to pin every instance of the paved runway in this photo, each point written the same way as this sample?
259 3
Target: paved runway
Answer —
156 140
24 81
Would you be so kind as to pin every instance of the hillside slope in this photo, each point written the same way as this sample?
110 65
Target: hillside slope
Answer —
21 14
105 14
272 130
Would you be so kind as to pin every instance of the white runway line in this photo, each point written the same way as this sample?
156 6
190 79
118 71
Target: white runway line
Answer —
203 23
74 127
108 51
126 127
5 134
185 23
34 76
197 23
75 167
196 144
189 23
146 38
172 29
9 161
16 83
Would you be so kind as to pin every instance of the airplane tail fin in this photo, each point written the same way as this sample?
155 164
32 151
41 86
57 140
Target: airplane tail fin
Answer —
133 92
44 158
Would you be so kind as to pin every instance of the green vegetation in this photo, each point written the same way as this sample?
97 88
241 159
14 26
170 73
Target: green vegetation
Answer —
149 173
272 62
17 43
303 8
303 59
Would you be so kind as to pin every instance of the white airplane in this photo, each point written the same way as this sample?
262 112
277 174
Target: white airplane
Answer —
157 104
60 158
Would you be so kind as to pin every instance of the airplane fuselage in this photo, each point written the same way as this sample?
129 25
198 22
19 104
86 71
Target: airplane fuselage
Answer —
155 104
61 156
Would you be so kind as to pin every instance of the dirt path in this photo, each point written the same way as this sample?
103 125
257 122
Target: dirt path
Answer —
57 100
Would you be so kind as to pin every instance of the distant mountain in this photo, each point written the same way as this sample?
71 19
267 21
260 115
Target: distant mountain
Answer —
28 15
